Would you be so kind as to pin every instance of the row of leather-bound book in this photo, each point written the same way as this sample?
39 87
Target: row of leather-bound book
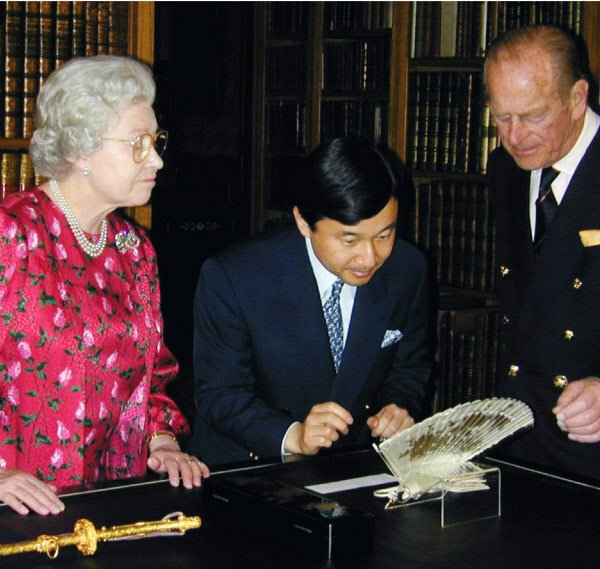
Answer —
16 173
449 126
38 37
465 29
452 223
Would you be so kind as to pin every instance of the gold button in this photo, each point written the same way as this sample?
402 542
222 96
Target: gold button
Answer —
504 271
577 284
569 334
513 370
367 407
505 320
560 381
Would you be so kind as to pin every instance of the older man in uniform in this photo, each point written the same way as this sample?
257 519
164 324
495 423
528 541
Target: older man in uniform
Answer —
546 184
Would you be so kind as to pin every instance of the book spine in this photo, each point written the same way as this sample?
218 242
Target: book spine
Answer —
491 23
460 29
427 29
31 77
118 17
447 235
13 68
453 124
423 127
443 378
434 248
448 24
465 140
412 127
470 236
424 205
26 173
91 28
78 29
458 368
468 386
480 355
431 150
46 62
493 354
482 245
484 139
446 93
103 9
62 33
436 29
9 175
458 271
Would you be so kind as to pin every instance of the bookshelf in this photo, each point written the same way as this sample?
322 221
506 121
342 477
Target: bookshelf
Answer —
36 38
321 70
420 93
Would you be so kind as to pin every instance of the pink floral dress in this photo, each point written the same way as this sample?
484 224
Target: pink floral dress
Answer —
82 364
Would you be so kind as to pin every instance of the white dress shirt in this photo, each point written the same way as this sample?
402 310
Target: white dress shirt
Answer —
325 280
566 166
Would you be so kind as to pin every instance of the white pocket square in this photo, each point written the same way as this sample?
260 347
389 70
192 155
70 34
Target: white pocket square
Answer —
391 337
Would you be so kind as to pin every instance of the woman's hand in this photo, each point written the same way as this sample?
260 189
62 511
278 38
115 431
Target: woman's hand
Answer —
166 456
22 491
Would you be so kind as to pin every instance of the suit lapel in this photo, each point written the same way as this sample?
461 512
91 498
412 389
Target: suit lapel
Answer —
562 248
520 228
301 295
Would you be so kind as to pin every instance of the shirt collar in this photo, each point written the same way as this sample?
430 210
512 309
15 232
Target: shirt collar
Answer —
324 277
569 163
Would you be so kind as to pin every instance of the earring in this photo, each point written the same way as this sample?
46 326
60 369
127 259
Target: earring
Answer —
86 171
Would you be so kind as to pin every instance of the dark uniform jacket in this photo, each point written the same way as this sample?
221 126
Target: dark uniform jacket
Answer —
261 350
550 304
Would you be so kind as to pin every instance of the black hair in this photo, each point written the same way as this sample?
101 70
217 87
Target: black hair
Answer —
344 179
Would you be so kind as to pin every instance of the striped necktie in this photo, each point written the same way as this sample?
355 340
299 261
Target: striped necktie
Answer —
335 326
545 205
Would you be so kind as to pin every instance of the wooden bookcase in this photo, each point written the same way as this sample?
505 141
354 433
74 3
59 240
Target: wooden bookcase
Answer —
321 69
65 30
433 81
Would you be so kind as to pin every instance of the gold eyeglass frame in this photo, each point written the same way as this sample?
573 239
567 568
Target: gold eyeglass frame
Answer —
138 139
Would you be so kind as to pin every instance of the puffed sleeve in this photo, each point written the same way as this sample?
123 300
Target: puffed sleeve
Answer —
13 267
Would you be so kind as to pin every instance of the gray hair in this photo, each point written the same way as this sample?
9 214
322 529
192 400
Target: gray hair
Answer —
77 104
560 45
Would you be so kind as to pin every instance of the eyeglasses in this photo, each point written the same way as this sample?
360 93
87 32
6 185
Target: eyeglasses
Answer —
142 144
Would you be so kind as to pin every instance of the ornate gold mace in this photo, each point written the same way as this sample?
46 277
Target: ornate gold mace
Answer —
86 537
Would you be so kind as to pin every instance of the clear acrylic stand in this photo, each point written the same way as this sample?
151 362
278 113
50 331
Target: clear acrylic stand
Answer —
459 506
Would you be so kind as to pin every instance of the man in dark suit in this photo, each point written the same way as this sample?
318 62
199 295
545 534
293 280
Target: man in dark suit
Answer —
548 244
267 341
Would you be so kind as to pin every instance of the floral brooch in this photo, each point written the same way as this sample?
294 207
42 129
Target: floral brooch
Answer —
125 240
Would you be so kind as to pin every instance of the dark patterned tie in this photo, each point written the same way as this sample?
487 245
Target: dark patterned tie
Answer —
545 205
335 326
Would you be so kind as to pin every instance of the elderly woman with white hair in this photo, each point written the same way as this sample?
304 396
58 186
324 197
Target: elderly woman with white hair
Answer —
83 368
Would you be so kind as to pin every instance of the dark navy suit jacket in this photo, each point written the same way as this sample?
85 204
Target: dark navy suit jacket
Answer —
551 305
261 351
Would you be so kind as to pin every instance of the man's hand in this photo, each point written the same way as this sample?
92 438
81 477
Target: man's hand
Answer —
23 491
321 428
389 421
578 410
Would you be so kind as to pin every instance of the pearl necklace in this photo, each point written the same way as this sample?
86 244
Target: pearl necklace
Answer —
91 248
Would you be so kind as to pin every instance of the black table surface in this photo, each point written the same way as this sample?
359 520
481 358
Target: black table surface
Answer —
545 521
